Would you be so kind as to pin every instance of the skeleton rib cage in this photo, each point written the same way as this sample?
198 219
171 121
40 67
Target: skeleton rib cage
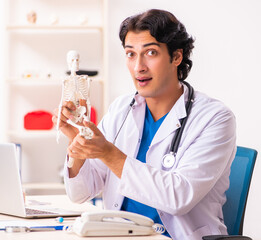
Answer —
76 88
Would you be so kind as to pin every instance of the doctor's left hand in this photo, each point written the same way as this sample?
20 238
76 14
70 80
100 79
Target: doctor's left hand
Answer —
97 147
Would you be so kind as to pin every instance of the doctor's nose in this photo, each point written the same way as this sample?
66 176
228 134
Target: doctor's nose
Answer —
140 65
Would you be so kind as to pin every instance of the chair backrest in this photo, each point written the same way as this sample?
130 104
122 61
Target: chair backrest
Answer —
240 178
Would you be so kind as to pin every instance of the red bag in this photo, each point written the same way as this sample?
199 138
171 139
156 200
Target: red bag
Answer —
93 116
38 120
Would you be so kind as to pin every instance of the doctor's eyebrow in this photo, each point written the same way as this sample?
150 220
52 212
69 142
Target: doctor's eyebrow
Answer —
145 45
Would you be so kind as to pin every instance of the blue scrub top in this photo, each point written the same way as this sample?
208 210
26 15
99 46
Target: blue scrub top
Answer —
149 130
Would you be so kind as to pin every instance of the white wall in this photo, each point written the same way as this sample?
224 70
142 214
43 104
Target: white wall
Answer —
2 92
226 66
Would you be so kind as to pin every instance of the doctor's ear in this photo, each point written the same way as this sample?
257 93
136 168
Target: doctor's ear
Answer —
177 57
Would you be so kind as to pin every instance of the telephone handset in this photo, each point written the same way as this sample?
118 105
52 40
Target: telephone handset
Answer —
114 223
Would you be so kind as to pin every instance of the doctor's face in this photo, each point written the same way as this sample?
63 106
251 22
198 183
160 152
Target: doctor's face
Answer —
148 61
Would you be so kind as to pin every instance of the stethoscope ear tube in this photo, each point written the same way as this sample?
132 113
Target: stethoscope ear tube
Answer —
176 139
130 106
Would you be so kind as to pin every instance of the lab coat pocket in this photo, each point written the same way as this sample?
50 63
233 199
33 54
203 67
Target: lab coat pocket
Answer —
199 233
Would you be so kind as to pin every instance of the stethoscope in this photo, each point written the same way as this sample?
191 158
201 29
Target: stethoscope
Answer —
169 159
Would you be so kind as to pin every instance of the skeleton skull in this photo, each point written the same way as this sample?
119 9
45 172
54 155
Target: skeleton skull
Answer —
73 58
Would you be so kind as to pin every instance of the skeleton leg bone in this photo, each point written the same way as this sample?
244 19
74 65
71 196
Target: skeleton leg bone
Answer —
85 132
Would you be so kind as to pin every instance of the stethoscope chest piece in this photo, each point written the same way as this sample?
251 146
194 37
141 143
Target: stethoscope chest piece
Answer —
168 160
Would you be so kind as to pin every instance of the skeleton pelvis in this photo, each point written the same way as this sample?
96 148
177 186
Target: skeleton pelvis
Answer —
78 114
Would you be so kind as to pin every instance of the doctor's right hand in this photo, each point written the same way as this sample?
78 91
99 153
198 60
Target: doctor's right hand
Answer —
67 109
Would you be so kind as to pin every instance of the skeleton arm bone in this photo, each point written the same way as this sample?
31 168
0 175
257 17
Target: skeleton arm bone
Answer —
69 94
59 115
88 102
85 132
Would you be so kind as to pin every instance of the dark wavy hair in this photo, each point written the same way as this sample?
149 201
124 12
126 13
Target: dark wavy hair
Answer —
165 28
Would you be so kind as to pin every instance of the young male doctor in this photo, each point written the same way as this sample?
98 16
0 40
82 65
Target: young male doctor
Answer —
124 158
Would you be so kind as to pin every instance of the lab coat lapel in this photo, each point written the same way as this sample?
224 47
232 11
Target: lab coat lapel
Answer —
172 121
137 115
138 112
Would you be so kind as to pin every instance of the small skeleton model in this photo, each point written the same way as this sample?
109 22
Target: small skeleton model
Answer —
76 88
32 17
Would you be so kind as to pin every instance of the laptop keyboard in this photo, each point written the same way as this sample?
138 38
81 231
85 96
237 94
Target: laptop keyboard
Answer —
30 211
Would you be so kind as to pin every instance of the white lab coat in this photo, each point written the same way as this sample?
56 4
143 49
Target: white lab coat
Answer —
189 196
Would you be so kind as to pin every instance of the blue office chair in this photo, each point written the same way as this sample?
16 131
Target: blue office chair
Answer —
234 208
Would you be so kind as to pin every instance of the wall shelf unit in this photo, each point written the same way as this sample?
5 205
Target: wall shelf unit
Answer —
54 27
36 66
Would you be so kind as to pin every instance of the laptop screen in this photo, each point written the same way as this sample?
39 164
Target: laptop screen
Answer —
11 200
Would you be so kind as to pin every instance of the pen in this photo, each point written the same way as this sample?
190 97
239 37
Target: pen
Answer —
46 228
12 229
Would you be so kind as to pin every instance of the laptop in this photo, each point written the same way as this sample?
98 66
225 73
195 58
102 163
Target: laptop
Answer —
11 193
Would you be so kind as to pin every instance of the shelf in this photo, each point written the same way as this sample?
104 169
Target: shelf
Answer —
43 188
32 133
34 82
52 27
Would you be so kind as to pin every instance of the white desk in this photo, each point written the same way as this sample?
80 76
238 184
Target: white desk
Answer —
60 201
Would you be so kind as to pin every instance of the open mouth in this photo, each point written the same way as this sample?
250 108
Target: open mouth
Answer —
144 79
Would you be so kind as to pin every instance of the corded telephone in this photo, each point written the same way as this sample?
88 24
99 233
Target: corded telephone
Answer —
114 223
